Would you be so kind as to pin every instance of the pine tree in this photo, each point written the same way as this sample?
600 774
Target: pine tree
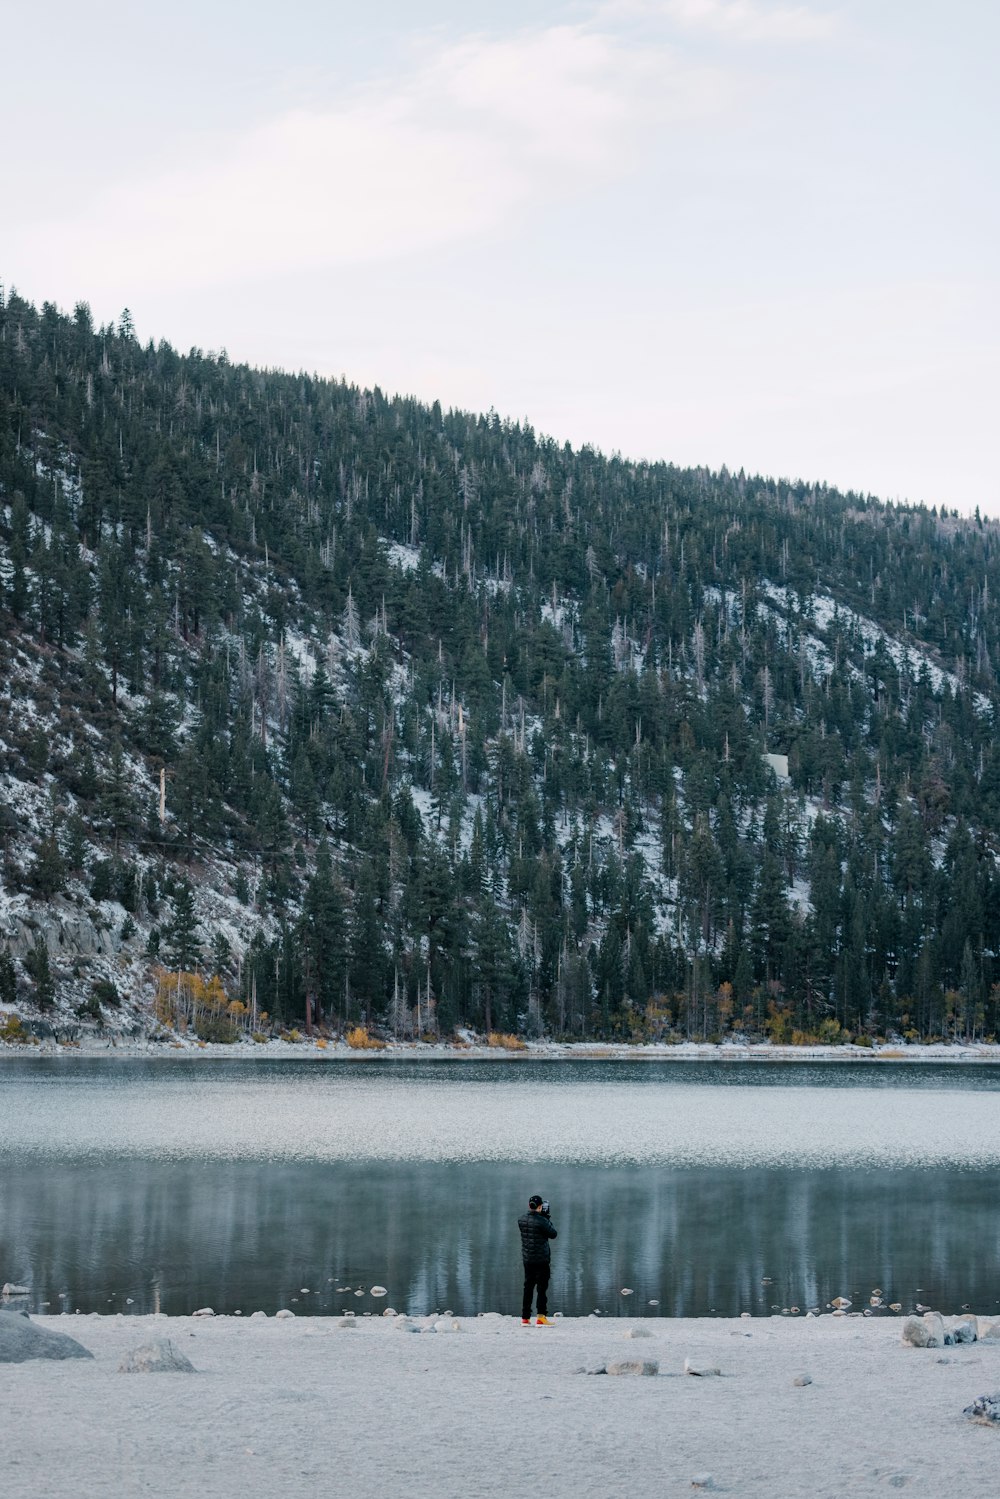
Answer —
8 978
183 949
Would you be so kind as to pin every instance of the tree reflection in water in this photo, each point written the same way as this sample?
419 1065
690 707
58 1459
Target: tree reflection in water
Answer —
176 1235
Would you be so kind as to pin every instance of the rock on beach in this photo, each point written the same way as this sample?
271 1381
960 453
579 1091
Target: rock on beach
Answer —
984 1409
21 1340
646 1366
159 1356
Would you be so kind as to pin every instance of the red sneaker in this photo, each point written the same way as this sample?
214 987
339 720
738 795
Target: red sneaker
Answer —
525 1321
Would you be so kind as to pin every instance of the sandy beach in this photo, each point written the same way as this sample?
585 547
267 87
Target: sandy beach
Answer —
455 1408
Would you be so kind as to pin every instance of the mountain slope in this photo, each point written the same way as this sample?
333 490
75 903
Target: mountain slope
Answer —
458 727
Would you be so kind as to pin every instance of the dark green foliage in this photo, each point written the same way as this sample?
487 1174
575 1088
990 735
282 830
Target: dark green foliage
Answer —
105 993
8 978
576 682
38 968
183 949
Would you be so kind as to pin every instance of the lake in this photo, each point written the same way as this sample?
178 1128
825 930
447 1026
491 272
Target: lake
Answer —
701 1188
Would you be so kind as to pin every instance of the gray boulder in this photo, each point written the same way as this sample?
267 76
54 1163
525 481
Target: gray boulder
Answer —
159 1356
917 1334
985 1409
940 1336
964 1332
21 1339
632 1366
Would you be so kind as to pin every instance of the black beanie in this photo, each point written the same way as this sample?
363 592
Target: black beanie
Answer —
534 1202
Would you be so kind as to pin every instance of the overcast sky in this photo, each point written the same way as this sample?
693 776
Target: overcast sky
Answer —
714 231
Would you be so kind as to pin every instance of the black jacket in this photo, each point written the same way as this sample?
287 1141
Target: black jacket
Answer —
536 1231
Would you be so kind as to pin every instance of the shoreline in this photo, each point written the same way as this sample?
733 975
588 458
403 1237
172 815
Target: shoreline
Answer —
800 1409
305 1050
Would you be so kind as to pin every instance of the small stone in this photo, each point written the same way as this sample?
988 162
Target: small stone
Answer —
841 1304
626 1290
703 1481
378 1291
157 1357
700 1370
203 1311
258 1316
283 1315
646 1366
985 1409
801 1380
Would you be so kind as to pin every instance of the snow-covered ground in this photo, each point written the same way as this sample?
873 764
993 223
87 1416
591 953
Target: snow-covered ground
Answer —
474 1050
485 1407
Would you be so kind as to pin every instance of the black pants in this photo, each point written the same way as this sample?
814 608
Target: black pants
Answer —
536 1277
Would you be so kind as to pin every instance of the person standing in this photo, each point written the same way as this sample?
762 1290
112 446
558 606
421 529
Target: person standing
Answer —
536 1231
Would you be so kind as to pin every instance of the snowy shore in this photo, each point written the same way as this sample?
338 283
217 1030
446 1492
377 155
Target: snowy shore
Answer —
485 1407
306 1050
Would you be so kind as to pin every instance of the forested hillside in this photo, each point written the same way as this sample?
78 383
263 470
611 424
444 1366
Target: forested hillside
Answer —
456 727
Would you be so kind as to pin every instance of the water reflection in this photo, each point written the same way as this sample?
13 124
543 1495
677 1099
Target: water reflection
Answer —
168 1184
173 1236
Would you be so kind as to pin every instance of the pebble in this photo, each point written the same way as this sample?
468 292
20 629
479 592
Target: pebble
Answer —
801 1380
700 1370
703 1481
378 1291
283 1315
203 1311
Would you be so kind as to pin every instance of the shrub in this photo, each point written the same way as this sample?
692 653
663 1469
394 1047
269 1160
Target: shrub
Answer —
505 1042
211 1026
12 1030
105 993
260 1038
359 1040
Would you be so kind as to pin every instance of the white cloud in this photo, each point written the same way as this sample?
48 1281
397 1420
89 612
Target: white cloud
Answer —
472 135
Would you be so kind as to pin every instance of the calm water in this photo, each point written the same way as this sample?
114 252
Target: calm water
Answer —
169 1184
